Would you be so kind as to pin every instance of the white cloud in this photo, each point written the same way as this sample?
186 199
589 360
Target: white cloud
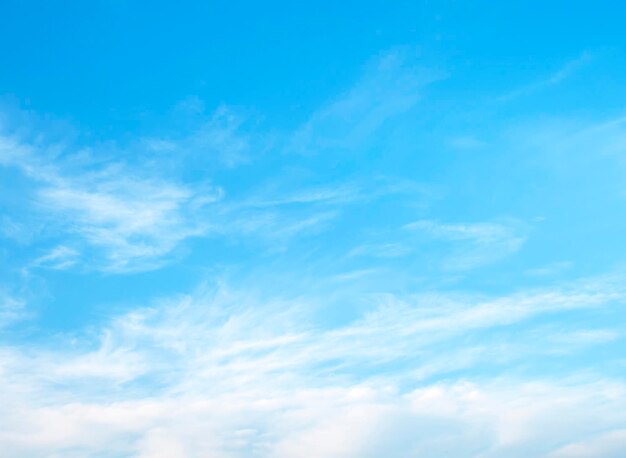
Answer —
134 221
231 373
506 418
607 445
329 195
219 138
553 268
381 250
14 230
391 86
12 309
59 258
566 71
120 218
473 244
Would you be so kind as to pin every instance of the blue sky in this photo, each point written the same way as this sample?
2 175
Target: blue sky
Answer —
312 230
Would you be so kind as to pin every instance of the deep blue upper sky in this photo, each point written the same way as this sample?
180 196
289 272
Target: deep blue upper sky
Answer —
110 64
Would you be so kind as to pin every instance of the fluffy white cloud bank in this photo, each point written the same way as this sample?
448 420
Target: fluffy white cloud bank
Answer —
502 419
224 374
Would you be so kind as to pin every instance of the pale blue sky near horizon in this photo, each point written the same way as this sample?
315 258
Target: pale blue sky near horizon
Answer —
347 229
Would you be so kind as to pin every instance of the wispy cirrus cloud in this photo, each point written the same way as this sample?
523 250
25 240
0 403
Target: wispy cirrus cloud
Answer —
12 309
472 244
134 222
564 72
391 85
128 208
59 258
221 137
458 246
126 219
